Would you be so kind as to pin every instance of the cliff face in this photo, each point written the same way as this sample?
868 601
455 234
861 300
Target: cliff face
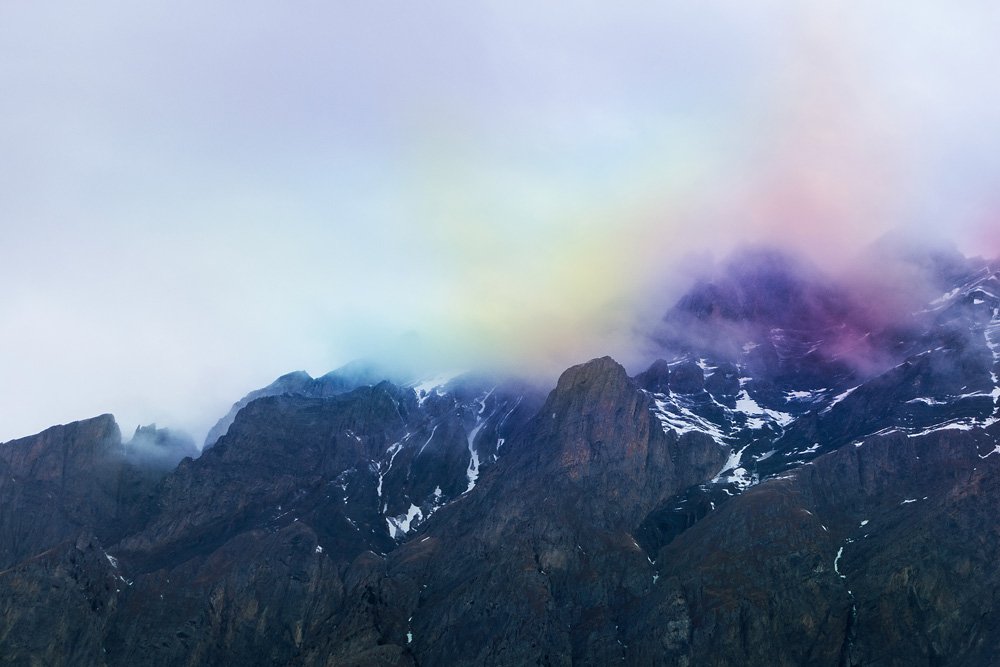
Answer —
540 564
62 481
712 510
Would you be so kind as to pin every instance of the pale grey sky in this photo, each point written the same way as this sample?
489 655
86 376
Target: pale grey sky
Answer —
196 197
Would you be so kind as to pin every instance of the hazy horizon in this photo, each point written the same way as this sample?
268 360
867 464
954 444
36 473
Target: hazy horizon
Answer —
199 197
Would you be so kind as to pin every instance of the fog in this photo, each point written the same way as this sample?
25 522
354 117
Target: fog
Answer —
198 197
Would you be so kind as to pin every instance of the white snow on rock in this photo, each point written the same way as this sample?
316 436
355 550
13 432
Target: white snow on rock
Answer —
757 417
928 401
836 562
992 334
472 472
675 416
955 425
424 388
392 452
947 296
804 395
429 438
402 524
733 472
837 399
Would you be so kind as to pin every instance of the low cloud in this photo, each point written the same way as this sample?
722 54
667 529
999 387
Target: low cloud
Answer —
197 198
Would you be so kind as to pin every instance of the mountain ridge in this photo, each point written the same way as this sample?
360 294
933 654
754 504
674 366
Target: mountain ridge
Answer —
762 502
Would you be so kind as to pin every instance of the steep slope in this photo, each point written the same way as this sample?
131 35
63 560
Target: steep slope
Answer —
880 553
66 481
65 494
282 520
299 383
796 481
540 562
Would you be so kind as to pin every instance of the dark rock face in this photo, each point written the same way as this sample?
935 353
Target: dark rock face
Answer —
583 473
65 480
687 378
299 383
656 378
879 600
56 605
724 382
766 504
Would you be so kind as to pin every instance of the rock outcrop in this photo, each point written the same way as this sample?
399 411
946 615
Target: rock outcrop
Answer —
763 502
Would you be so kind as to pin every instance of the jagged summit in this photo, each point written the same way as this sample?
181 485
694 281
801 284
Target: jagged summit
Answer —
767 286
350 376
779 487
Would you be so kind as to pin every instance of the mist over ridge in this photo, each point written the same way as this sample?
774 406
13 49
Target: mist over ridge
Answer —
492 333
198 199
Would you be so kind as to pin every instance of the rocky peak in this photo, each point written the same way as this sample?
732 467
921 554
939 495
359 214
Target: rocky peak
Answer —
597 435
594 413
760 285
687 377
61 481
351 376
710 511
63 451
656 378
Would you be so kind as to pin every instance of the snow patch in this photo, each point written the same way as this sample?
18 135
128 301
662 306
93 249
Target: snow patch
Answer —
400 525
424 388
804 395
946 296
992 335
392 451
837 399
472 473
674 416
757 416
734 473
429 438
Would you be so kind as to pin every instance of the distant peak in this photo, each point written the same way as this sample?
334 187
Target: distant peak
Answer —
602 367
296 376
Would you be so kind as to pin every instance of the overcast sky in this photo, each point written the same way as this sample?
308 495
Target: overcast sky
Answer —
196 197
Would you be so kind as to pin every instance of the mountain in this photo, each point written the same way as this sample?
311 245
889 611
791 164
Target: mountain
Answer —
347 377
807 475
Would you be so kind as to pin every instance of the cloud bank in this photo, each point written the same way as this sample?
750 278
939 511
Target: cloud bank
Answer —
198 197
